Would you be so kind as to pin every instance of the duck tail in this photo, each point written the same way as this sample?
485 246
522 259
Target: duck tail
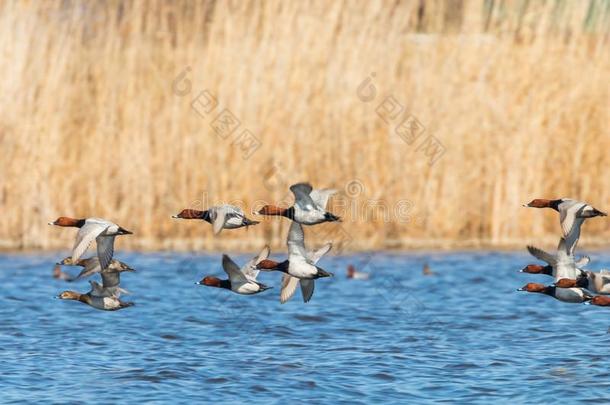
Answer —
331 217
127 304
249 222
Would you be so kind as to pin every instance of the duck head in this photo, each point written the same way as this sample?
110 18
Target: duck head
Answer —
267 264
534 288
543 203
566 283
69 295
119 266
537 269
67 221
192 214
600 300
66 262
210 281
350 271
272 210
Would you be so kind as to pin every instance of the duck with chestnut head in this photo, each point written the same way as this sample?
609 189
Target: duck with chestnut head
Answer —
572 214
90 229
221 217
597 283
559 265
309 206
301 266
241 280
570 295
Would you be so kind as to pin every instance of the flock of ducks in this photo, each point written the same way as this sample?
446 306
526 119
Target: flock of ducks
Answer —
572 283
299 268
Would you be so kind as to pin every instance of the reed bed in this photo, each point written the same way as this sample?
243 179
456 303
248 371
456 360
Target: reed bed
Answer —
106 113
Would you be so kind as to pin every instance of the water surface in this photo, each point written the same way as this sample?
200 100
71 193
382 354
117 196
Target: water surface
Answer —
462 335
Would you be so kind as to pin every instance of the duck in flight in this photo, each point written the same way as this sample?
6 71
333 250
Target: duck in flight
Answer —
241 280
309 206
572 214
221 217
100 230
300 267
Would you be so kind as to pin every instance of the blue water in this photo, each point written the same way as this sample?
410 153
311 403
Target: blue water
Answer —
463 335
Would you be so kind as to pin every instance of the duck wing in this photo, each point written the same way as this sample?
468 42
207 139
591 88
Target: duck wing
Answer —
219 219
86 235
307 287
250 269
316 255
289 286
542 255
97 290
233 271
105 250
568 212
302 196
296 240
110 279
92 266
583 261
320 197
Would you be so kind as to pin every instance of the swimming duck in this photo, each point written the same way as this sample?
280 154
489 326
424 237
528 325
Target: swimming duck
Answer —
60 275
102 303
356 275
597 283
309 206
221 217
101 230
571 295
426 270
572 214
92 265
300 266
562 263
241 281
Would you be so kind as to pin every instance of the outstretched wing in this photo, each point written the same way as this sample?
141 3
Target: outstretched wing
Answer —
296 240
105 250
568 210
232 269
85 236
316 255
307 287
302 198
250 269
583 261
289 286
541 255
92 266
110 279
218 222
320 197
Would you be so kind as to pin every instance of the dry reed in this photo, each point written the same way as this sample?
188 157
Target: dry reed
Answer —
92 124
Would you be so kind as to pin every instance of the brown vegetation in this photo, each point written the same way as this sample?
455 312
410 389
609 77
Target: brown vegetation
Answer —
97 121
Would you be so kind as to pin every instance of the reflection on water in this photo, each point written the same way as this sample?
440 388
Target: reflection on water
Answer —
463 334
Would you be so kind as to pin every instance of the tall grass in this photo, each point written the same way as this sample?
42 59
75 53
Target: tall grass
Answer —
94 121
